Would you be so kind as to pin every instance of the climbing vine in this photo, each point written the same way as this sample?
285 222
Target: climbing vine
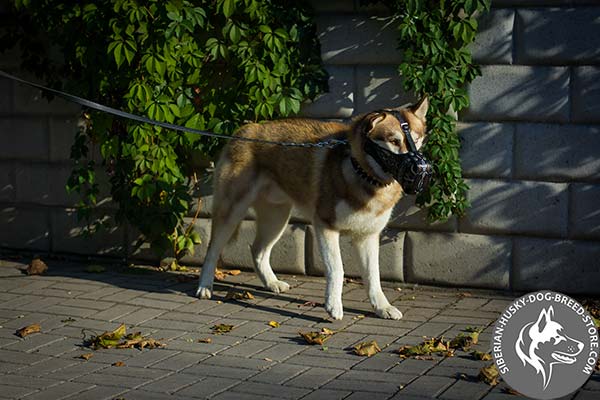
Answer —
434 40
207 65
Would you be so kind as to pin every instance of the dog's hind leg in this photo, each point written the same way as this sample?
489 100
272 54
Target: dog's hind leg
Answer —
368 251
230 207
271 220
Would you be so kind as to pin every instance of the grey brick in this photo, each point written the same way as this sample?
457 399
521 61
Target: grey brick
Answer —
486 150
27 381
114 313
557 152
278 374
567 266
366 386
13 392
524 207
314 378
61 137
505 93
279 352
390 255
43 184
493 42
23 139
407 216
28 100
354 39
60 391
332 362
465 390
328 394
236 362
585 94
379 86
263 389
107 377
68 235
180 361
99 393
24 228
584 218
458 259
5 97
207 387
33 342
427 386
77 370
140 394
7 181
339 101
557 36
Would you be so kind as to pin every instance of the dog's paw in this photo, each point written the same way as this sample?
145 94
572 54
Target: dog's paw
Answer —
389 312
335 310
203 292
278 286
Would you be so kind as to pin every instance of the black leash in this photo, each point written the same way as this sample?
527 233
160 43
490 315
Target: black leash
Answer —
109 110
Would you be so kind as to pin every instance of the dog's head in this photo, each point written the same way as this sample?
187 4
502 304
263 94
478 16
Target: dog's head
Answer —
544 343
383 128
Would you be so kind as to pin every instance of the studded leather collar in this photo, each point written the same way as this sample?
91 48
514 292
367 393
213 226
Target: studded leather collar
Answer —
365 175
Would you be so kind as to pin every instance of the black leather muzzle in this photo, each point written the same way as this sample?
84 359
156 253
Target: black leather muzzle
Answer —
412 170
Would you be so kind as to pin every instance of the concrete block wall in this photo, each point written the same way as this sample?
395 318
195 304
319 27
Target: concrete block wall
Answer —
530 153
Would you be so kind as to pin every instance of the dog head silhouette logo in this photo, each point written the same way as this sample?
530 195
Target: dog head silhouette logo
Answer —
544 343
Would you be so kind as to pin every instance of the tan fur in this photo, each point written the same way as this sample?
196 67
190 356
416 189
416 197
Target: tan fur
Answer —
320 182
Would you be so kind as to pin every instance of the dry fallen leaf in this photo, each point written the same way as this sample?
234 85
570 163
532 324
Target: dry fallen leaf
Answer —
367 348
317 337
464 342
119 364
489 374
120 340
87 356
480 355
352 280
359 316
274 324
37 267
235 295
221 328
473 329
67 320
28 330
465 294
220 274
205 340
426 348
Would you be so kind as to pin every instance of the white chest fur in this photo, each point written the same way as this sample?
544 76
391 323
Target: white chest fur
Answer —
361 222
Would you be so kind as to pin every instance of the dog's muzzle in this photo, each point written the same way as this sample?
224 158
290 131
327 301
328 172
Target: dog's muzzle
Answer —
412 170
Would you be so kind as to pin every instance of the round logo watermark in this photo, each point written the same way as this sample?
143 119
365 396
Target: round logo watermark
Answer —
545 345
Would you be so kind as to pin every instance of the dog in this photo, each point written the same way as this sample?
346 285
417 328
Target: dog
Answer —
543 344
341 190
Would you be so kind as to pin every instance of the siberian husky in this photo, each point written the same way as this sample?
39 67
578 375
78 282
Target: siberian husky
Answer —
342 190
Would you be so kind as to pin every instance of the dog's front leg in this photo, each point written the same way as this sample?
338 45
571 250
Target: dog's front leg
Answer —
329 246
368 250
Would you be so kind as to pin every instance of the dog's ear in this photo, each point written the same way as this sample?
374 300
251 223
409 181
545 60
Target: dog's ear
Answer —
371 120
420 109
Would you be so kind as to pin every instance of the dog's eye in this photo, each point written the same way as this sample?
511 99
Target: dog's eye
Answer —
396 142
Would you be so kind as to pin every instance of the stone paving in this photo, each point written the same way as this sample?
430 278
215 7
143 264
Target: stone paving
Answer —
253 361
